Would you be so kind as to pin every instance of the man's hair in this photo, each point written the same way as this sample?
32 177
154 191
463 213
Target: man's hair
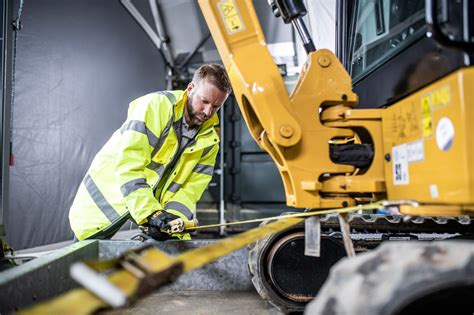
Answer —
215 74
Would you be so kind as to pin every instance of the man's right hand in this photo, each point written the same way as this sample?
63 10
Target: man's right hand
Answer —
162 219
156 234
158 224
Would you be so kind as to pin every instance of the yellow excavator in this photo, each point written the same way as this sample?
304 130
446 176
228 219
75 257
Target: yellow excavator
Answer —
388 118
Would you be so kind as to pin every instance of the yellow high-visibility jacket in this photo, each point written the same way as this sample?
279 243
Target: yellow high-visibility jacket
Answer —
122 180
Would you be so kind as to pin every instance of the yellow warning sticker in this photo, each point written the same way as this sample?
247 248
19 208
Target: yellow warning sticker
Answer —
426 118
232 19
437 99
441 97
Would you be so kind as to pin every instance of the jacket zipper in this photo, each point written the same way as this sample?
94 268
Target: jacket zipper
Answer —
177 162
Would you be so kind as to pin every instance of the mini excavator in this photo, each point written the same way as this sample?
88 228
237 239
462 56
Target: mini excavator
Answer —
391 121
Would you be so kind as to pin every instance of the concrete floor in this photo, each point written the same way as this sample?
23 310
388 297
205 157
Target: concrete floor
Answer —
222 287
200 302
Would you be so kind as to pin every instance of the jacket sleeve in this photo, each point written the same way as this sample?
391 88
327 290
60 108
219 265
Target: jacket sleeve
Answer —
183 202
139 135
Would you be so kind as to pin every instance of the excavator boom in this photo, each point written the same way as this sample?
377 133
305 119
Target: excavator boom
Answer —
306 132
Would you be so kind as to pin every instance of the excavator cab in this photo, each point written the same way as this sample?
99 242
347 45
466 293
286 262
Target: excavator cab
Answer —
391 38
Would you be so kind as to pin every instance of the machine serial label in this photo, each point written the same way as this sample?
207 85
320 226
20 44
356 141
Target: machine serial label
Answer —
403 155
416 151
231 16
400 165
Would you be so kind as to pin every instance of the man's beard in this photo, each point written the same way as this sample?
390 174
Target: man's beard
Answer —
193 118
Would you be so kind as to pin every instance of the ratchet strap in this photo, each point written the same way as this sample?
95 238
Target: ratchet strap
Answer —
141 271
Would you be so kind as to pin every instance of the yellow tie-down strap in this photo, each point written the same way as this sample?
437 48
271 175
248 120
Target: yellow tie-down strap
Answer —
139 272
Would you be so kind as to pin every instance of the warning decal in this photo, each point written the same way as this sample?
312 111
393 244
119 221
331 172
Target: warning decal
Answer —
426 118
440 97
232 19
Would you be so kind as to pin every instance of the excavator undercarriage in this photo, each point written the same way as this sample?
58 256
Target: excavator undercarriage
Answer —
285 276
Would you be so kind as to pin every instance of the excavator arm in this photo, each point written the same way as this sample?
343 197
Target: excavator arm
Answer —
392 151
291 128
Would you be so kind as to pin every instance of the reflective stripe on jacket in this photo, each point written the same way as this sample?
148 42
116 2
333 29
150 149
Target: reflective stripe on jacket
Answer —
122 178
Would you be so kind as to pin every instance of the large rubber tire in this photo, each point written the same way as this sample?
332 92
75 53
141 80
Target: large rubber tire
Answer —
256 271
259 263
401 278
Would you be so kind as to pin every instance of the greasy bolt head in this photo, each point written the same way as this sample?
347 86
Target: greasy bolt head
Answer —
286 131
324 61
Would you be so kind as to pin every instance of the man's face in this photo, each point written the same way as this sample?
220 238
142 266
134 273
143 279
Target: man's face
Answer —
204 100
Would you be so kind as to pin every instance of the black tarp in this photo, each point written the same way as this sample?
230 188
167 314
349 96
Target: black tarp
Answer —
78 65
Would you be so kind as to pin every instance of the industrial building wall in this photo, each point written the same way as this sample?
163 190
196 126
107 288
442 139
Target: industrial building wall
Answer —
78 65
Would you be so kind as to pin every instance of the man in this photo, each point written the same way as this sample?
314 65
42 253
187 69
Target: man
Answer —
155 168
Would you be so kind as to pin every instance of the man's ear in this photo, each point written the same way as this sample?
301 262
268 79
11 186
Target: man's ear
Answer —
190 87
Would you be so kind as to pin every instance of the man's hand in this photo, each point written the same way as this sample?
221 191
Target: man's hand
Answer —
156 234
159 225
